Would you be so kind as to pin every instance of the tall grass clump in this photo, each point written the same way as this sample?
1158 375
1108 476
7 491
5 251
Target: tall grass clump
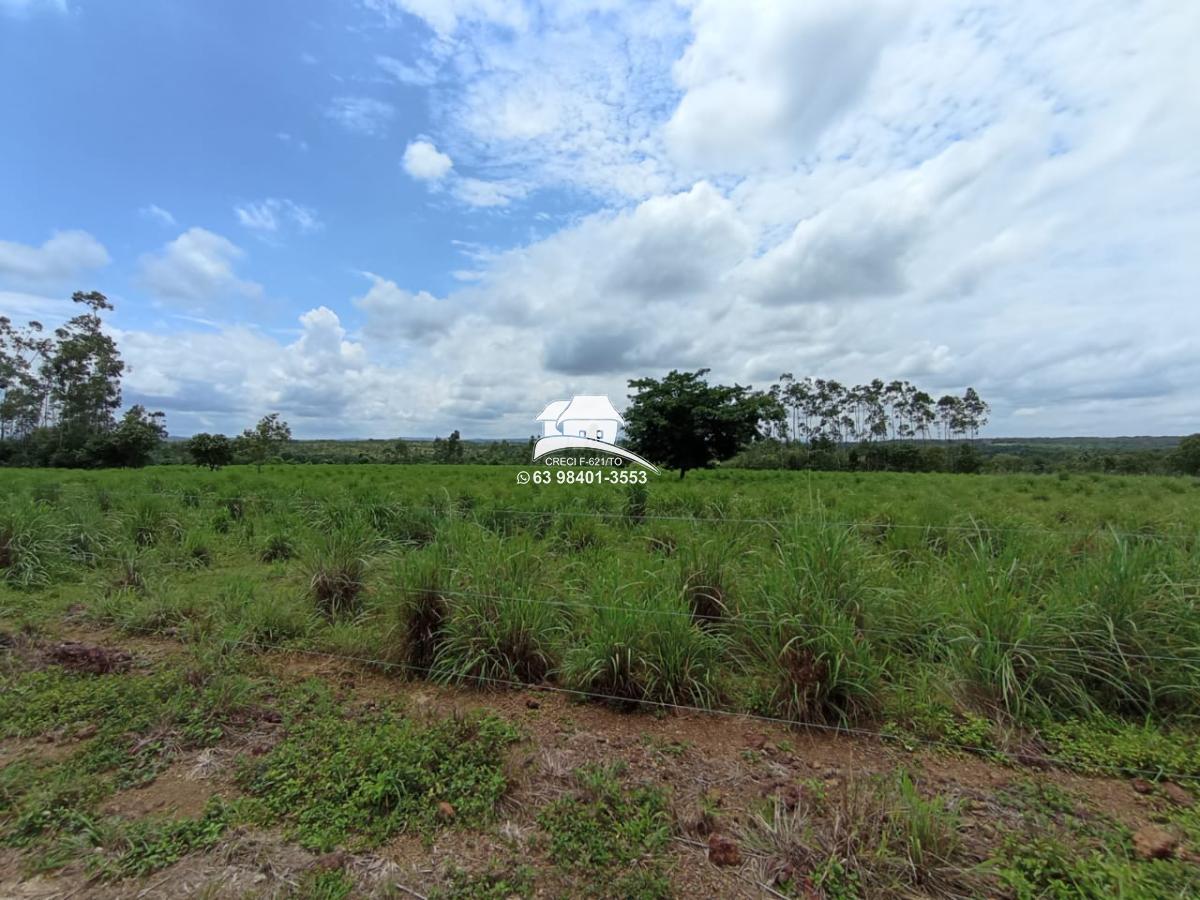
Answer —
1009 642
873 837
642 643
414 527
807 652
149 522
416 618
86 536
277 548
1136 627
266 618
337 565
498 627
637 502
28 546
706 579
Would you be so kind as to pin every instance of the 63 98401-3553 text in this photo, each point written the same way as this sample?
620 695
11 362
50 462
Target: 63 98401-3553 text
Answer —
582 476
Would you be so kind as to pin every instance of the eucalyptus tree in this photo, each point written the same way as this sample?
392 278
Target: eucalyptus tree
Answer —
23 352
975 412
84 372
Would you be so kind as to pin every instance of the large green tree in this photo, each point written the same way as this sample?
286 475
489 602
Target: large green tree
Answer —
265 439
685 423
210 450
133 442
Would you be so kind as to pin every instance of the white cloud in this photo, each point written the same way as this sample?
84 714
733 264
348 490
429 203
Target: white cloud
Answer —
421 73
361 115
396 314
23 306
224 378
762 80
995 194
423 161
156 213
64 255
268 216
197 266
571 94
478 192
444 16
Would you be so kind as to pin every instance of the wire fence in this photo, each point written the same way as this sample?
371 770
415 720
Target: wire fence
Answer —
584 605
451 509
1010 757
1180 532
952 633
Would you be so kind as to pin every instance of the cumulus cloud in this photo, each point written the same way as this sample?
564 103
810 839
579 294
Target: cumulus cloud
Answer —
396 314
197 266
268 216
64 255
361 115
423 161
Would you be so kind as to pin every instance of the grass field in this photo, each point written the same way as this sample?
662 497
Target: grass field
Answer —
367 655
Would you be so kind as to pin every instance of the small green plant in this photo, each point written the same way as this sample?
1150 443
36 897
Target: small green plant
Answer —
326 884
495 883
146 847
277 547
358 782
605 827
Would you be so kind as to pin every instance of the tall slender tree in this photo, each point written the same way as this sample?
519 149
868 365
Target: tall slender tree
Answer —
84 372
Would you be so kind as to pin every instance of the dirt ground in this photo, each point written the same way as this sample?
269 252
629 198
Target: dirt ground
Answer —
734 762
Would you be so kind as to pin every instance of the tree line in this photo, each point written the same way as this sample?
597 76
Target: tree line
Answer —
819 410
60 392
683 421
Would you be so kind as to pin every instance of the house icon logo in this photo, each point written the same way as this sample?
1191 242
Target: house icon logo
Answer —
586 422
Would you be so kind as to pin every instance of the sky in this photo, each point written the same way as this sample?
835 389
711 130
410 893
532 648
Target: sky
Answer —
401 217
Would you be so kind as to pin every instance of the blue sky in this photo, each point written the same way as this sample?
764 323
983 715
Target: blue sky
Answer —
405 216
